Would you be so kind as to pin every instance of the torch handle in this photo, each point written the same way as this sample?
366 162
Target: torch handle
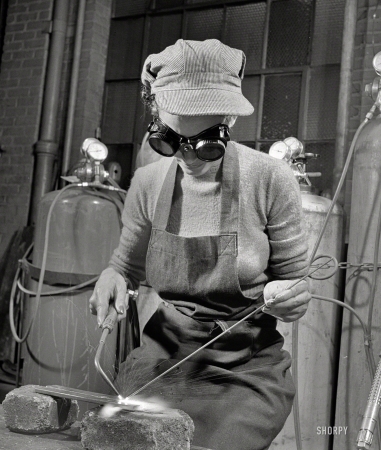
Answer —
111 319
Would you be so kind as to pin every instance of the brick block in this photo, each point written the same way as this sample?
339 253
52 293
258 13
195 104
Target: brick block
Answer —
171 429
31 413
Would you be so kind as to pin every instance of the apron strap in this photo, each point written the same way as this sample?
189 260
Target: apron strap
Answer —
230 192
229 195
164 201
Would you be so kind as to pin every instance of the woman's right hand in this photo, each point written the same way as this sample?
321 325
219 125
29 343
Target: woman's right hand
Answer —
110 288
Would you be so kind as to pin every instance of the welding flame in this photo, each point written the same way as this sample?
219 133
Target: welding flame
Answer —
148 405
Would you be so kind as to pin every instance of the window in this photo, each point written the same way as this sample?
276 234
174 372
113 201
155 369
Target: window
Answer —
293 51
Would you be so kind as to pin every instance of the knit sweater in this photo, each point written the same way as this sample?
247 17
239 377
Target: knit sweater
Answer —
271 242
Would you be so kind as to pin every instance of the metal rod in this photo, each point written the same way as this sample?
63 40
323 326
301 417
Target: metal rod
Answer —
76 394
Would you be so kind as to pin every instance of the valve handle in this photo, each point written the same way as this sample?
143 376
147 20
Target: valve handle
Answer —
313 174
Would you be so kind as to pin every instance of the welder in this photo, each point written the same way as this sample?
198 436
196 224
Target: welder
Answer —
212 227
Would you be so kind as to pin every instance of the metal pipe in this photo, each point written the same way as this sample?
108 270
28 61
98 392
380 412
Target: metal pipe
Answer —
73 88
350 18
47 147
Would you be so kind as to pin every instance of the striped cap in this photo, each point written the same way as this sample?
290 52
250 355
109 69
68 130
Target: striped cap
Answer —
194 78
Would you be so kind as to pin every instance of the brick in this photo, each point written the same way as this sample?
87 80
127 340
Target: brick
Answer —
26 101
11 28
44 15
32 62
20 73
26 17
32 82
38 6
14 8
171 429
28 412
37 42
18 92
14 46
37 25
24 36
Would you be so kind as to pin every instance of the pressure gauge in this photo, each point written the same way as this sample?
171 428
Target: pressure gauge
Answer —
377 63
295 146
94 149
280 150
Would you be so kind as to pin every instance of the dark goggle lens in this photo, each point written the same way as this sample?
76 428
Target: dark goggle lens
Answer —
160 146
210 150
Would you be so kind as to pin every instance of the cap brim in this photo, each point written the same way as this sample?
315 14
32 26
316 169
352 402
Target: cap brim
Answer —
204 102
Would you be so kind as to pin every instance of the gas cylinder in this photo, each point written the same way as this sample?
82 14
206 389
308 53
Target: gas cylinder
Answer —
354 376
318 331
84 230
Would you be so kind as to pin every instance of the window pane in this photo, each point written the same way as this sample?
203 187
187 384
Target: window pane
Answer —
245 129
206 24
125 49
328 31
322 102
160 4
164 31
244 30
124 8
281 106
289 33
192 2
119 111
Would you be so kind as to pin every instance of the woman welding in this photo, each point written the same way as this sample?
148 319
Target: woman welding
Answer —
214 228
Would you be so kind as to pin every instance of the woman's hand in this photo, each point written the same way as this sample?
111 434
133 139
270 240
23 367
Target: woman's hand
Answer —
110 288
286 304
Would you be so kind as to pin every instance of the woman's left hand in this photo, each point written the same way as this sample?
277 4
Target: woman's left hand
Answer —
286 304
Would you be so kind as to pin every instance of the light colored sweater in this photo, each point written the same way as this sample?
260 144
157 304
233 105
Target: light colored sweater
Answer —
271 242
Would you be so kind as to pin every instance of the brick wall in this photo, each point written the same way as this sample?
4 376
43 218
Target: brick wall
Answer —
21 95
21 90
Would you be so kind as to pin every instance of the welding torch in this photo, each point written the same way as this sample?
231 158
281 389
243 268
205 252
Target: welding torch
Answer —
107 327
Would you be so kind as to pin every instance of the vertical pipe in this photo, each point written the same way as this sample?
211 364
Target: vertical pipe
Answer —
47 147
73 87
350 17
266 34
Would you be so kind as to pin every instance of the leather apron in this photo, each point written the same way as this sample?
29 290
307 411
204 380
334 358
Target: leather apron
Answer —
238 391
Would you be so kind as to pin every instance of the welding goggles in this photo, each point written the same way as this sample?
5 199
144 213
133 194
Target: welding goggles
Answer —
209 145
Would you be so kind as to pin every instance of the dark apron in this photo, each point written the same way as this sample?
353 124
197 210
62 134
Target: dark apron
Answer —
238 391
